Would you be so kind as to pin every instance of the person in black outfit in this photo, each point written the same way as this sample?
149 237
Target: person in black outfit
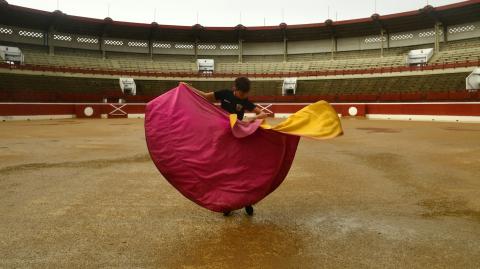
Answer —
235 101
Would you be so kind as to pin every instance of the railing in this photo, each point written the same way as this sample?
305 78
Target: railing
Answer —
427 96
319 73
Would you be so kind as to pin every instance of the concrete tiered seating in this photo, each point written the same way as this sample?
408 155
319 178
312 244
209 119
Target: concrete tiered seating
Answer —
70 89
262 58
27 88
174 58
77 52
458 55
378 85
115 64
309 57
452 52
461 44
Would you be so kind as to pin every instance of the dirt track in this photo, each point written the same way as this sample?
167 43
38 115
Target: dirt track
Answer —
388 194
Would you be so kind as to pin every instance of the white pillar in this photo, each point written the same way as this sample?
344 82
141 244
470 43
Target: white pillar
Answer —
49 36
101 41
195 49
382 35
240 51
437 36
150 48
334 47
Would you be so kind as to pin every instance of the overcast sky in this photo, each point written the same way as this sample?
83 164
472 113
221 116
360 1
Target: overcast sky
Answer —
228 12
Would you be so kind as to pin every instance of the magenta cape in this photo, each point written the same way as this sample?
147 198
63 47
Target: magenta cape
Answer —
192 144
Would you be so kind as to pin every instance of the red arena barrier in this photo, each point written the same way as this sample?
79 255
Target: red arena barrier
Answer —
448 111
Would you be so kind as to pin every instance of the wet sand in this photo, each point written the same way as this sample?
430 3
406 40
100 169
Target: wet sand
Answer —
388 194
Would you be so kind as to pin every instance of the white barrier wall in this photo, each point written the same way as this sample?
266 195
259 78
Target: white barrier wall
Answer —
75 41
315 46
266 48
165 47
125 45
217 49
358 43
22 35
412 38
464 31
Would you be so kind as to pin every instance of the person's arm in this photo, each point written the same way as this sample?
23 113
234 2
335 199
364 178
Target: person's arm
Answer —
210 96
259 113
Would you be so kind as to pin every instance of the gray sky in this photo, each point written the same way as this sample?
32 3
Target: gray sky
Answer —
227 12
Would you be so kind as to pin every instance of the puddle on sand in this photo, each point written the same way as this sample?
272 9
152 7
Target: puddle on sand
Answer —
444 207
121 124
461 129
378 130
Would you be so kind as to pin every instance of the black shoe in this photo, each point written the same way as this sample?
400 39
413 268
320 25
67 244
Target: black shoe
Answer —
249 210
226 213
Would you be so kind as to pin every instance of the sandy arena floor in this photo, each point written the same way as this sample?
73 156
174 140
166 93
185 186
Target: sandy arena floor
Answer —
84 193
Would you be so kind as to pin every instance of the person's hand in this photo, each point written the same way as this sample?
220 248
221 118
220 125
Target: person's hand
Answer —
186 84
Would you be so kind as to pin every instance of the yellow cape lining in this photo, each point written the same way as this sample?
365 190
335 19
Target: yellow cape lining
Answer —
318 121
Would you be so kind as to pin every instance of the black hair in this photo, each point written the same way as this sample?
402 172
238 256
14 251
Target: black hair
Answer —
242 84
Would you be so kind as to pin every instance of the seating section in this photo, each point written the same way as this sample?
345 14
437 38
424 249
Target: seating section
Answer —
60 51
115 61
458 51
456 56
262 58
379 85
454 51
219 58
28 88
260 88
461 44
31 88
35 88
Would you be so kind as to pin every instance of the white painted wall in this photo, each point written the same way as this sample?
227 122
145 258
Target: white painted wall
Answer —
464 35
315 46
266 48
